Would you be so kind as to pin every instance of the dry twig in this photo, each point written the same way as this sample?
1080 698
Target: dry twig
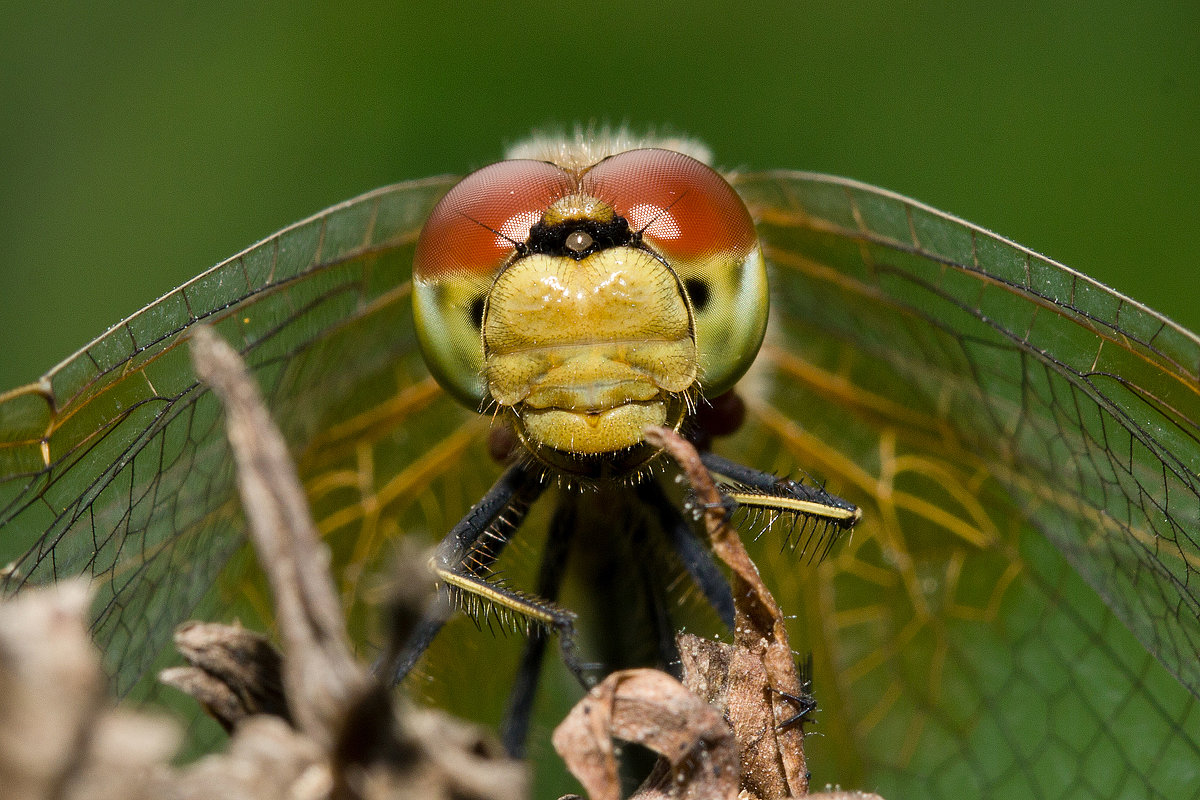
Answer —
363 749
761 666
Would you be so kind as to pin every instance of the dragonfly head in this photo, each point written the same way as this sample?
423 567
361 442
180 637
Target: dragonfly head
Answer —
587 304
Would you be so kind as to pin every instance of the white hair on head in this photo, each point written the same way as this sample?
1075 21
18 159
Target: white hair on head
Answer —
589 145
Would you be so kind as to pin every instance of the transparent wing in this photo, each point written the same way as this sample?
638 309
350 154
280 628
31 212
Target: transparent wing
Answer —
1019 613
1016 615
114 464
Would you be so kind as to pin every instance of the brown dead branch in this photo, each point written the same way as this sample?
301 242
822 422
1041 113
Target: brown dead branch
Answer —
728 730
761 669
58 736
59 739
365 749
234 673
320 677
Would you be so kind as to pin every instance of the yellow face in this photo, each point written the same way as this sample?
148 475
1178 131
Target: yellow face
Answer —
587 303
590 351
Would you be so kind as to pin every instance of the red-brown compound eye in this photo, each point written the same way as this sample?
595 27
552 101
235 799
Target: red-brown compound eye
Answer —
472 229
469 236
695 220
682 207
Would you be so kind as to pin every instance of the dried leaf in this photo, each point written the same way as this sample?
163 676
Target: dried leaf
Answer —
234 673
58 737
652 709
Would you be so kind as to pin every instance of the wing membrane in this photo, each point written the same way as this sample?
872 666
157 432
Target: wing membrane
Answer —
1017 433
114 464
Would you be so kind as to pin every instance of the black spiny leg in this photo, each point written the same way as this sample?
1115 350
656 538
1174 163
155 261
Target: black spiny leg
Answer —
695 557
463 558
776 498
514 730
804 703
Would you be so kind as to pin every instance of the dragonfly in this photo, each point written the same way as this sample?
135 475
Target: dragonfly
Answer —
1017 614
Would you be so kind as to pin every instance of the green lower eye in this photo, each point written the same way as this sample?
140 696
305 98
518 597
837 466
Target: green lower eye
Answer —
731 303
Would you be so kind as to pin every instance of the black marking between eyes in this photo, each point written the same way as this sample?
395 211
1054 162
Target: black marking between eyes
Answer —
552 239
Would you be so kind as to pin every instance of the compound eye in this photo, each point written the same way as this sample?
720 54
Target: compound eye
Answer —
475 227
470 235
693 218
682 207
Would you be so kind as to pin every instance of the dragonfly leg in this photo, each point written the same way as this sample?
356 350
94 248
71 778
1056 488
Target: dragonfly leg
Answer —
514 730
785 498
788 494
695 557
804 703
466 554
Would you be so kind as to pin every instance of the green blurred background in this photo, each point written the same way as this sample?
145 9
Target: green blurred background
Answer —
143 142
